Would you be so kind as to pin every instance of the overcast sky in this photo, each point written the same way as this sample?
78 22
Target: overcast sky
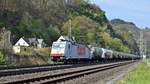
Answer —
137 11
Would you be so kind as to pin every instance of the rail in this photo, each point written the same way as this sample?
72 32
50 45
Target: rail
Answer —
69 75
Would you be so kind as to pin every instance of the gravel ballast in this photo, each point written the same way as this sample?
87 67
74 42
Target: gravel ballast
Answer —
40 74
88 79
104 77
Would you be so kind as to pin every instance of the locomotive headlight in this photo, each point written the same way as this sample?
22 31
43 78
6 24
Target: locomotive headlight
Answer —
57 51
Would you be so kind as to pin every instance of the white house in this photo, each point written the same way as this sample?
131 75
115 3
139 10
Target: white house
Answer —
33 42
16 49
40 43
21 42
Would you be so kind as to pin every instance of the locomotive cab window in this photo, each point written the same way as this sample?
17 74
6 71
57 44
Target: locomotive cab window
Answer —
55 45
62 45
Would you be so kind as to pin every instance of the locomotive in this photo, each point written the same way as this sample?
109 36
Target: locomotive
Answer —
71 51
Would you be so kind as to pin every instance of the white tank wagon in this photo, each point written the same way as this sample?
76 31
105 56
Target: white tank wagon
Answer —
101 53
108 53
97 53
116 55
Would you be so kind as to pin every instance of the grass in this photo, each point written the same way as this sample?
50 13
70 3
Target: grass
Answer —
43 51
29 51
141 75
2 58
33 58
26 51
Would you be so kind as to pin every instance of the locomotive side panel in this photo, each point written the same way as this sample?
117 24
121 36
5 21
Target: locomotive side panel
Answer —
77 51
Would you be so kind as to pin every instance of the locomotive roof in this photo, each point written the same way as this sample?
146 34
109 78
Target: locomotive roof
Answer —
66 38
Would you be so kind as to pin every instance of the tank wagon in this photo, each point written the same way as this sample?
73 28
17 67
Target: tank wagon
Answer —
101 53
70 51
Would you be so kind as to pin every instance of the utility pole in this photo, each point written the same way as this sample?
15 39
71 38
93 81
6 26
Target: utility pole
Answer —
69 30
141 43
68 2
148 48
145 49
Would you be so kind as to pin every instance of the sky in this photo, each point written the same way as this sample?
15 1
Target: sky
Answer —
136 11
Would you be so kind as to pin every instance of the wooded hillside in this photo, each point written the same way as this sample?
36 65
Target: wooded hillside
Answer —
48 19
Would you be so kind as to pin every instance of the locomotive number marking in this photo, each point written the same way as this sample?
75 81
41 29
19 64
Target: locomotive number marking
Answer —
81 51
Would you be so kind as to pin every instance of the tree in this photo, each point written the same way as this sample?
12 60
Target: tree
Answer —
2 58
83 28
113 43
52 34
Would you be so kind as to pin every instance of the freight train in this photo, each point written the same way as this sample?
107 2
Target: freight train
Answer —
71 51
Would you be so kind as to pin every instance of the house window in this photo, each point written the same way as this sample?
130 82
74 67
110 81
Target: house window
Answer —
25 49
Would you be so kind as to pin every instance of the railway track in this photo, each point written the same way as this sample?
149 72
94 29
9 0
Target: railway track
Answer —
5 67
59 77
9 71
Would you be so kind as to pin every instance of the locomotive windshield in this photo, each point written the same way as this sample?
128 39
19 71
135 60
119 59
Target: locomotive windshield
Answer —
58 45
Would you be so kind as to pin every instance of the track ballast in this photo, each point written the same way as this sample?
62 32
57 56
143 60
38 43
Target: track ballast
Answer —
59 77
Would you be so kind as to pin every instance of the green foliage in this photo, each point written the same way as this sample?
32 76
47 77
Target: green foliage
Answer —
51 34
127 37
48 19
29 27
87 31
1 25
0 38
113 43
83 21
91 11
43 51
2 58
25 21
26 51
83 29
8 19
140 75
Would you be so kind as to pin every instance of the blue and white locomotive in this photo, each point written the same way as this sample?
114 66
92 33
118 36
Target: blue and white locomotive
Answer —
65 50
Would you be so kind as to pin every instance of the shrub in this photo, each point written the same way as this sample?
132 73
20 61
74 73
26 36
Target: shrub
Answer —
2 58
